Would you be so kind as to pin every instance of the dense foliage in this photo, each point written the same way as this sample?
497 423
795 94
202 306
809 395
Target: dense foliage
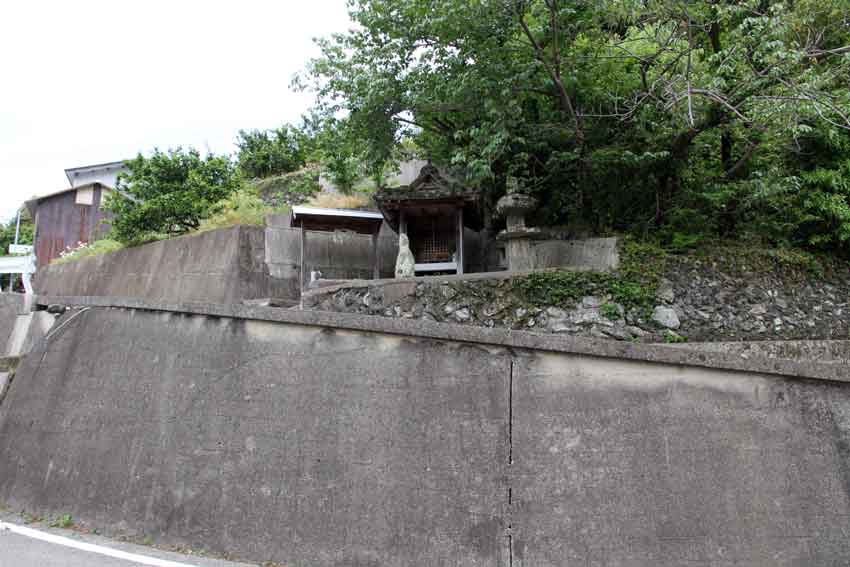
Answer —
7 237
169 193
7 232
690 119
319 142
263 153
290 188
633 285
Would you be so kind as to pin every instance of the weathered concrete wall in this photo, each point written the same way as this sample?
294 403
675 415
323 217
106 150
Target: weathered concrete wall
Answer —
338 255
641 464
824 351
225 266
270 441
29 329
11 305
325 439
588 253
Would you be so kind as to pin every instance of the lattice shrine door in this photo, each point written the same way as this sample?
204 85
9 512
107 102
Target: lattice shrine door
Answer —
433 238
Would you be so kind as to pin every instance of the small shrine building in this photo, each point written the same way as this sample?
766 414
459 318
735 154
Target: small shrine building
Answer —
432 211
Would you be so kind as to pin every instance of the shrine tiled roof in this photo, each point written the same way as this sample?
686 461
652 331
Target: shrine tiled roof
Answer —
430 189
430 185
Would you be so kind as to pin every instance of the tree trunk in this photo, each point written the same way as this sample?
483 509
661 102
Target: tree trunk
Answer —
726 150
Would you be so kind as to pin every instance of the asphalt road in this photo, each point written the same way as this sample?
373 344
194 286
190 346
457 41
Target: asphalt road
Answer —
30 549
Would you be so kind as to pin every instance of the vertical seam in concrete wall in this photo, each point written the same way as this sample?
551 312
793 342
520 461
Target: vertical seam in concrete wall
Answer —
510 478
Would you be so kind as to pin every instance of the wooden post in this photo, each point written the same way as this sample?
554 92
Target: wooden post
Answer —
303 247
460 240
376 258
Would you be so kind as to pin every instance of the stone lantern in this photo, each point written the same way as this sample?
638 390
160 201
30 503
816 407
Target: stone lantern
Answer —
517 237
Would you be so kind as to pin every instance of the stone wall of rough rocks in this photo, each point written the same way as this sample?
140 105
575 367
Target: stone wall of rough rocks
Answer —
697 299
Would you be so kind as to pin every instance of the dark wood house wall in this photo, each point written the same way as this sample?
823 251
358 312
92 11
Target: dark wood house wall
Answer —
61 222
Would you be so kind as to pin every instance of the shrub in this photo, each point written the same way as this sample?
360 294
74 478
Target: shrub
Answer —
242 207
168 193
263 153
85 250
290 188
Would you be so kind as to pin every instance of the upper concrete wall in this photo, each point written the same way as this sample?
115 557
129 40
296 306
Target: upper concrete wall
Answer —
323 439
588 253
337 255
221 266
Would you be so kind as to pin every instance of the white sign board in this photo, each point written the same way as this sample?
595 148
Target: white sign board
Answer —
24 265
20 249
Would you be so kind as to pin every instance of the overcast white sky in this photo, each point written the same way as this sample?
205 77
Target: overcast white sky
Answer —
91 81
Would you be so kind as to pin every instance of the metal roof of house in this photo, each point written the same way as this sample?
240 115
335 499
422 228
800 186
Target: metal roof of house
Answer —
38 198
94 167
349 213
30 203
330 220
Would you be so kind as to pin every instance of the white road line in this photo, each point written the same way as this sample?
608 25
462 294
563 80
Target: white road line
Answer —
90 547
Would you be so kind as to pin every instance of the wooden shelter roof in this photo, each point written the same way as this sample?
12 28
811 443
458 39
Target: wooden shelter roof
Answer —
315 218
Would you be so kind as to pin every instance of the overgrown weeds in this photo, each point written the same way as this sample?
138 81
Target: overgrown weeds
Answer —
633 285
242 207
86 250
64 521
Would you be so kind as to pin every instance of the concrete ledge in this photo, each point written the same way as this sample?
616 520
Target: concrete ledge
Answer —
821 351
664 354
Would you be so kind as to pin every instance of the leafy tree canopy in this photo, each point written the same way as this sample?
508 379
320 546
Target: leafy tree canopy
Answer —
7 232
264 153
169 193
705 117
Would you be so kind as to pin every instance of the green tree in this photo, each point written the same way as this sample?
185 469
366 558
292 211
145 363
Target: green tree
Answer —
661 115
264 153
7 237
169 193
339 154
7 232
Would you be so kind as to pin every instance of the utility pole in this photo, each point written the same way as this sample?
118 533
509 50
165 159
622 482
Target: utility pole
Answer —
17 236
18 227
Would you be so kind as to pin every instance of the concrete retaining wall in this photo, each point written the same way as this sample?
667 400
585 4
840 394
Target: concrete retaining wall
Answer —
11 305
588 253
824 351
326 439
638 464
225 266
20 327
338 255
